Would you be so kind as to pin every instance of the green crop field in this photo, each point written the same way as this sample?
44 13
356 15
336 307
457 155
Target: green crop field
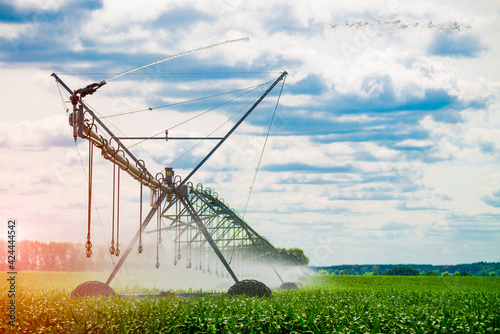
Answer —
327 304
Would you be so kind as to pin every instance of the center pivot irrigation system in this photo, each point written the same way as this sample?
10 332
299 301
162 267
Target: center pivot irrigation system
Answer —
200 220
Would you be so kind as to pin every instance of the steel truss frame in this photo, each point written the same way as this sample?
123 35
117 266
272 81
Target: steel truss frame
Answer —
227 229
214 224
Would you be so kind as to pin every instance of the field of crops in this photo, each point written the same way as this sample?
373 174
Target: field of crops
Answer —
327 304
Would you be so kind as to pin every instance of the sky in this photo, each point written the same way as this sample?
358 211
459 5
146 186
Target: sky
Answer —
383 147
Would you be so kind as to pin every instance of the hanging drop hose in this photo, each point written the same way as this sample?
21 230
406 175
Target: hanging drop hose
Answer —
117 251
140 248
177 235
112 248
178 257
88 245
190 250
160 240
158 237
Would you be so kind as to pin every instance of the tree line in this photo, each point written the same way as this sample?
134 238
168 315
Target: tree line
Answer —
54 256
469 269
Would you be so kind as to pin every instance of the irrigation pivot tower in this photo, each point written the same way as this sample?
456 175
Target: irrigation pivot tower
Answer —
196 215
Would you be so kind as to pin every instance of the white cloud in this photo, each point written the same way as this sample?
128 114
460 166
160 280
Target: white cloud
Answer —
39 5
416 143
117 13
357 118
36 135
13 30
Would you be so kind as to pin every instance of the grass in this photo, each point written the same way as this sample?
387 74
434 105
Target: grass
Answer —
334 304
406 283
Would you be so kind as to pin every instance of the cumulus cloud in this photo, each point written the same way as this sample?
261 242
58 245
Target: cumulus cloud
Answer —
12 31
36 135
49 5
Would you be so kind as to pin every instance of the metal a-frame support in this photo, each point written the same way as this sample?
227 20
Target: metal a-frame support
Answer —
140 173
188 204
192 212
189 207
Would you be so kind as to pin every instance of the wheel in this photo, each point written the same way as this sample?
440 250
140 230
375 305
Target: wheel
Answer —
289 286
250 288
93 288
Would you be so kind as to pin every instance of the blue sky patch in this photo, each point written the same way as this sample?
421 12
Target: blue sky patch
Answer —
468 45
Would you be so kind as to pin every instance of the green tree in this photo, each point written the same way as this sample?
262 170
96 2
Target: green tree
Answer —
294 255
402 271
345 272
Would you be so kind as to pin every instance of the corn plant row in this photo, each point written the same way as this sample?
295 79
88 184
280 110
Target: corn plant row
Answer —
334 305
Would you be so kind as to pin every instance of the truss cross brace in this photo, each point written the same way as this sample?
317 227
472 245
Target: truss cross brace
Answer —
206 234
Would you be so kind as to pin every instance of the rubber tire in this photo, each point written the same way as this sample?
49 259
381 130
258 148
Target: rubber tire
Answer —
289 286
93 288
250 288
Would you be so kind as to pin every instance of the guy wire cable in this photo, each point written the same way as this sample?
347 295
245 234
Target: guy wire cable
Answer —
262 152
